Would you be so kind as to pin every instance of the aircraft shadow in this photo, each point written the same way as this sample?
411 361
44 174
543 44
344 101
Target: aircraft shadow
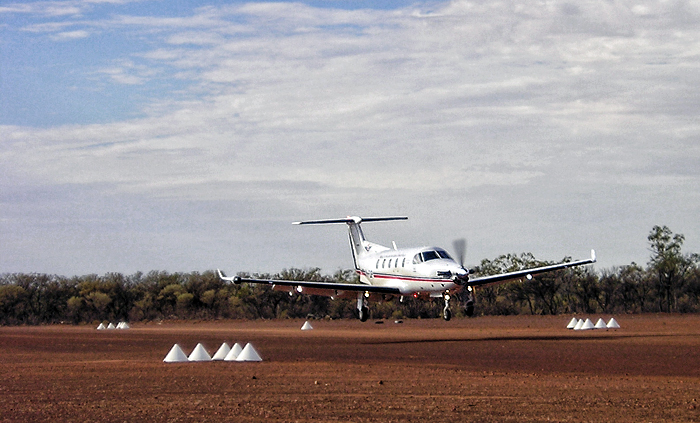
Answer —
601 337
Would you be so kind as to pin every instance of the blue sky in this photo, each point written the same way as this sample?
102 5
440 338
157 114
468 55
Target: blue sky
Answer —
179 136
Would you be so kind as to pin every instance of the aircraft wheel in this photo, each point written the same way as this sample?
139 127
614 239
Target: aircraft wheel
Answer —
446 314
469 310
364 314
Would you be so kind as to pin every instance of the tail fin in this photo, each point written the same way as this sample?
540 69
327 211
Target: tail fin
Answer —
358 243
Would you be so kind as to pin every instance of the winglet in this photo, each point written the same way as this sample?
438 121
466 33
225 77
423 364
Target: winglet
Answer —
223 277
593 258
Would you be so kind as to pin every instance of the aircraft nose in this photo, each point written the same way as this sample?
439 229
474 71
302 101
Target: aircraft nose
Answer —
461 275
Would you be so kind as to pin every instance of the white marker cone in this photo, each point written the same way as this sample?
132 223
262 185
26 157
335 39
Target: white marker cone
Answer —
199 354
307 326
176 355
612 324
221 353
600 324
101 326
233 354
111 326
579 324
572 323
587 325
248 354
125 325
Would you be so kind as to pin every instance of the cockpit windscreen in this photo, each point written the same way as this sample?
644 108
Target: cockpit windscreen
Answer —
428 255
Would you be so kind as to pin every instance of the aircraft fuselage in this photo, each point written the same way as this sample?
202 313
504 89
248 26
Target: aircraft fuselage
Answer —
417 272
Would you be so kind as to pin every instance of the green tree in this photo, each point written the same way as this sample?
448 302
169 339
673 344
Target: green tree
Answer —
13 302
99 301
75 309
184 305
669 264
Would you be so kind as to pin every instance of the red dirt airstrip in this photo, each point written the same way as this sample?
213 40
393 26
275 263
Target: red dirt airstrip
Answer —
486 369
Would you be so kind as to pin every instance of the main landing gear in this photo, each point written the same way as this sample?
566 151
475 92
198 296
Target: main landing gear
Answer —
363 311
469 306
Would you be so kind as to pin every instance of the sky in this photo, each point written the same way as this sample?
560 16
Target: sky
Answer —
188 135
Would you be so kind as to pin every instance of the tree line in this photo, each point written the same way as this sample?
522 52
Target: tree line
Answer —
670 282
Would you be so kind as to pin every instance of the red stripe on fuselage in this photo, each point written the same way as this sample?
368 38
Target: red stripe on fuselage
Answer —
404 278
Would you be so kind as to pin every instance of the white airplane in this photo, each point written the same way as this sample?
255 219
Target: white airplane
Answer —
386 273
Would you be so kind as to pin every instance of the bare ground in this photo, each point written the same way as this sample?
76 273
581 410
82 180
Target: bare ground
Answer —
488 369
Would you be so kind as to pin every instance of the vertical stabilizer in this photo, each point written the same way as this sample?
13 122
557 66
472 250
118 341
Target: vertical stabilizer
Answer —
357 240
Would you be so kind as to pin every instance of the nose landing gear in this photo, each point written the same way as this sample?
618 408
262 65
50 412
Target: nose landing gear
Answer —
446 312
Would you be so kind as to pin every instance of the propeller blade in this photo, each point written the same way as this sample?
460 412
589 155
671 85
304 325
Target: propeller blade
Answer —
460 247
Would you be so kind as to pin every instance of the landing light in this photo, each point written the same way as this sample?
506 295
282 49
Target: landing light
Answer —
529 277
299 289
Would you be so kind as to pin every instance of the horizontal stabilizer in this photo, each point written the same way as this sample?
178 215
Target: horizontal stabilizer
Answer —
349 219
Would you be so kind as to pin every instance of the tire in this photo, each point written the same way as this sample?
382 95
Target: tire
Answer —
364 314
447 314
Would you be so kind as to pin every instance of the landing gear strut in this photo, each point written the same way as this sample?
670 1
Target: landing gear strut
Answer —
446 313
469 306
363 311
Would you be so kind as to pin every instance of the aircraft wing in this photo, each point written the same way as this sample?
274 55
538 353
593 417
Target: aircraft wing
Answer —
527 273
314 288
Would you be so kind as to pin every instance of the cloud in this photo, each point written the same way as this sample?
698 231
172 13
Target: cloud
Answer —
70 35
428 111
59 7
126 72
46 8
343 76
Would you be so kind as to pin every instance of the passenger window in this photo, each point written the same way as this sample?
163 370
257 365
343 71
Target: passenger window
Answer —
403 263
378 260
383 263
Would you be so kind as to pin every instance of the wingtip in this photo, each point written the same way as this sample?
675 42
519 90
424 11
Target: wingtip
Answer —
593 257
